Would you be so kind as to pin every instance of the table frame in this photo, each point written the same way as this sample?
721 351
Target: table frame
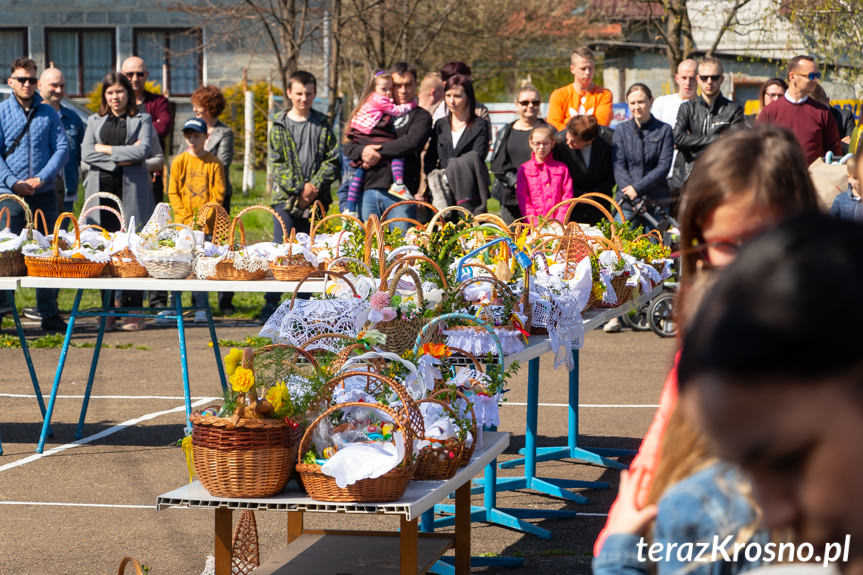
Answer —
419 498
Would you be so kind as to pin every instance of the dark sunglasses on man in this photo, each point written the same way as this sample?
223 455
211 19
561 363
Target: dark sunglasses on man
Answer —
25 79
711 77
527 103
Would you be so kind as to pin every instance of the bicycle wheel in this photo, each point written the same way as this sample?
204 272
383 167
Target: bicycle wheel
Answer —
636 319
661 315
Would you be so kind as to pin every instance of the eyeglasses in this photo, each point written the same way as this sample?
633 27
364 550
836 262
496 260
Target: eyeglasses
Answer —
814 75
134 74
527 103
711 77
774 96
542 144
25 79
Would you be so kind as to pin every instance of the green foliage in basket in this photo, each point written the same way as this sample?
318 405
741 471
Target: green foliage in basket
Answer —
498 376
648 251
624 230
438 247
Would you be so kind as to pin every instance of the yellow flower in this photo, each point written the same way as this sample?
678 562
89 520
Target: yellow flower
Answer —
278 396
242 380
232 360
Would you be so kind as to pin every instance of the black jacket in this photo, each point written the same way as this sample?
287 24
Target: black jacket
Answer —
698 126
599 177
412 133
476 137
642 158
504 167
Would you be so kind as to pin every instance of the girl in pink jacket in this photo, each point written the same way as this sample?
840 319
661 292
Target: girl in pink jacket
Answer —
542 181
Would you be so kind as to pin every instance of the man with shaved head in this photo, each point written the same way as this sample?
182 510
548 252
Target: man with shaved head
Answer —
52 87
665 108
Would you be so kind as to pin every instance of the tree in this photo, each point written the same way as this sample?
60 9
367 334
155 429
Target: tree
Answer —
831 29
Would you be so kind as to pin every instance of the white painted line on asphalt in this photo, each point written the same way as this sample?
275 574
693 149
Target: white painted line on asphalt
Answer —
636 405
58 504
100 435
165 397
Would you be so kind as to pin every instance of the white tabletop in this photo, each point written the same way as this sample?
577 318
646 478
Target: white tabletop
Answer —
9 283
419 497
153 284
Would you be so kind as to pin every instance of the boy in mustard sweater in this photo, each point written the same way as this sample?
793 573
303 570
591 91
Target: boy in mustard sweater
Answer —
197 177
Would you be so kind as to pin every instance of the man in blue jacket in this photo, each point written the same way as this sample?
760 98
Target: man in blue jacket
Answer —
33 150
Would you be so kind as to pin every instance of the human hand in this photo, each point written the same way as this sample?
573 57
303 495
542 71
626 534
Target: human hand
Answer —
22 188
35 182
308 195
625 517
371 156
102 149
630 193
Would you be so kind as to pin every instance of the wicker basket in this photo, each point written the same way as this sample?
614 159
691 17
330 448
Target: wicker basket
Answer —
62 267
388 487
449 396
249 458
124 264
402 333
217 224
168 269
440 459
12 261
225 269
291 268
619 286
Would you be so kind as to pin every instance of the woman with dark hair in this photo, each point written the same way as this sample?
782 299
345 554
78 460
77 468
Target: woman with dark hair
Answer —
116 145
741 184
447 71
770 91
779 390
642 152
460 134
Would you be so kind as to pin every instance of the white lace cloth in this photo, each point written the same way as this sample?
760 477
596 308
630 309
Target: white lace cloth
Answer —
478 341
10 241
313 317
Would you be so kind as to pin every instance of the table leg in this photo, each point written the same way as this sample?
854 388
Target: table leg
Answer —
595 456
462 529
215 342
295 525
184 364
46 424
106 301
223 545
10 295
408 543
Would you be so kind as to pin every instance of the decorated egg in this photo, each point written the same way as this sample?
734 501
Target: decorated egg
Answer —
329 452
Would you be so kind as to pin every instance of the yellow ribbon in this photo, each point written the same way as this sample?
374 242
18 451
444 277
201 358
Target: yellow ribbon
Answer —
186 445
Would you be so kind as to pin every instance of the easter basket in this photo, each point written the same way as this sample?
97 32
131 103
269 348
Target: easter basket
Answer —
389 486
292 267
402 331
440 459
163 262
323 253
242 456
617 281
12 260
461 407
124 263
236 264
59 266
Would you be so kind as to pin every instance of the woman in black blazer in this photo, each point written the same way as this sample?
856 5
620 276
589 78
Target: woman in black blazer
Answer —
460 132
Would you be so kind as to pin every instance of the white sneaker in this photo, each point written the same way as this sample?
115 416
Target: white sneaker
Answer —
400 191
164 317
200 317
613 326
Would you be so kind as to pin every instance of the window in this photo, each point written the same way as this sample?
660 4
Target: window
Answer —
13 44
84 56
172 57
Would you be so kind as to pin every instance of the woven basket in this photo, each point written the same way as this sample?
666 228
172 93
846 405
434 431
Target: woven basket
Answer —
12 261
225 269
449 396
402 333
124 264
291 268
619 286
388 487
167 269
441 459
57 266
217 224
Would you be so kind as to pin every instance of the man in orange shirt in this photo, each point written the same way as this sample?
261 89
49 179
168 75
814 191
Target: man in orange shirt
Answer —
582 97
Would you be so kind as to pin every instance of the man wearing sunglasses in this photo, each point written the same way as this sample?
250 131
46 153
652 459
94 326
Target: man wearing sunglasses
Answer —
700 121
810 120
33 150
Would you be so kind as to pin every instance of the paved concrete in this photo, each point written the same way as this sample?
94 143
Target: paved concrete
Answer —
80 510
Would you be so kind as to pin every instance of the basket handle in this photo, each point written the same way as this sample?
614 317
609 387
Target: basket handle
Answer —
139 570
479 279
273 346
98 207
437 217
236 223
407 203
572 202
374 230
317 206
414 418
28 213
445 405
396 415
451 394
418 284
409 258
55 243
221 225
325 274
426 330
608 199
352 260
477 364
608 244
92 199
415 223
651 234
345 217
306 343
492 219
244 211
37 215
5 210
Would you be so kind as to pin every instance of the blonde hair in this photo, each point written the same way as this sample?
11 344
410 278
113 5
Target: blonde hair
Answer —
366 93
851 168
548 129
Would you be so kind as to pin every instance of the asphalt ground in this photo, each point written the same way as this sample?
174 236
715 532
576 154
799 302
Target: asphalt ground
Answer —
80 508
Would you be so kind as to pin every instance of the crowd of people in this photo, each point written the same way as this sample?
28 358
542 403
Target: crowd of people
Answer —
755 438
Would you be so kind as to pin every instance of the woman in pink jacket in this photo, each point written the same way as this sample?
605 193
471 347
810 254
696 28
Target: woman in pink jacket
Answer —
542 181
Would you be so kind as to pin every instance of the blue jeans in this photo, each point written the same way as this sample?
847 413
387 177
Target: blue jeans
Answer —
347 176
655 211
46 299
377 201
302 225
